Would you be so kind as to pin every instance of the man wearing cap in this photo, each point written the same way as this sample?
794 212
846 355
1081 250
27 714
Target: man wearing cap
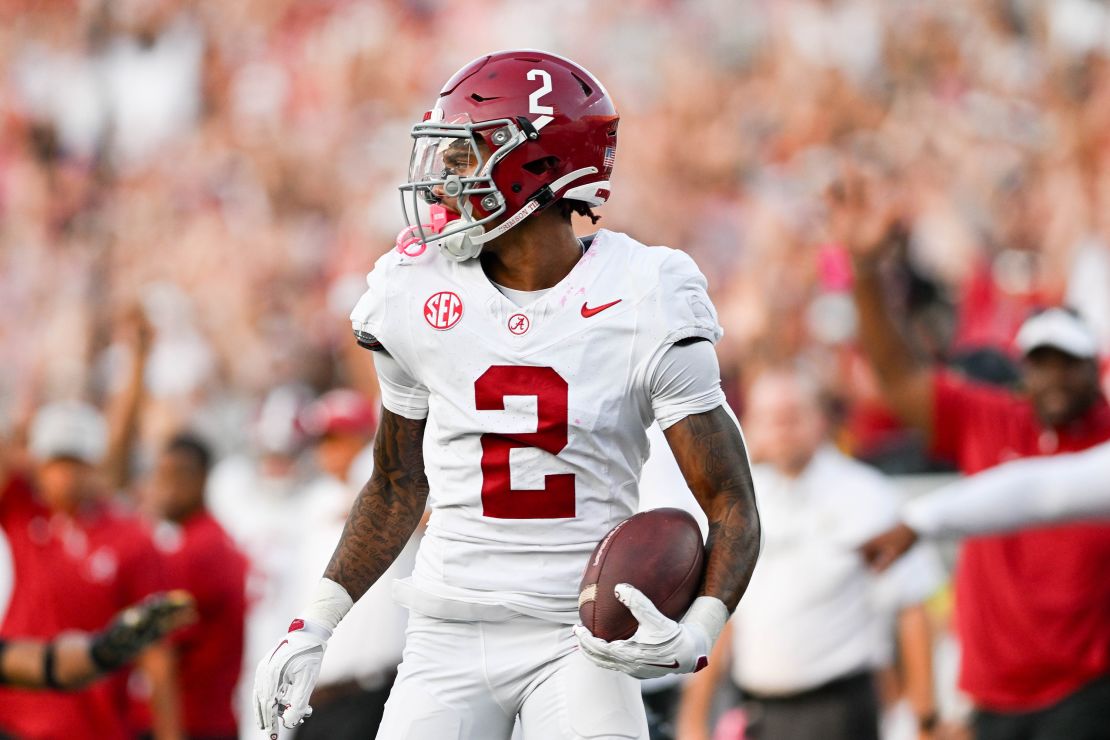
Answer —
355 679
1031 606
77 561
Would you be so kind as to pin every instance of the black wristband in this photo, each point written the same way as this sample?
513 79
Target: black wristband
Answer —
3 647
49 676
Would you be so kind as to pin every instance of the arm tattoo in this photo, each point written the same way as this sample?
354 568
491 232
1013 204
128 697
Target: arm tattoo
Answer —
710 452
388 509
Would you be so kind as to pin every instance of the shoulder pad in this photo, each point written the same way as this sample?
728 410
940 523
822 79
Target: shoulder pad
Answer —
366 340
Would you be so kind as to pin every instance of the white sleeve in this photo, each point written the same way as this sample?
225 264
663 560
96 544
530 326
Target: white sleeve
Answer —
401 393
686 380
1022 493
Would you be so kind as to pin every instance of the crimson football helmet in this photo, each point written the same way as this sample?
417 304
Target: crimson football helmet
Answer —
510 134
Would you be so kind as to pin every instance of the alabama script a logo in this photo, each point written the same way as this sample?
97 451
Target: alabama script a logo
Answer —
519 323
443 310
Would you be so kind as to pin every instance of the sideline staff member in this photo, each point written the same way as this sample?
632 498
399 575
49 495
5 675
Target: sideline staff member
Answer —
805 655
1031 606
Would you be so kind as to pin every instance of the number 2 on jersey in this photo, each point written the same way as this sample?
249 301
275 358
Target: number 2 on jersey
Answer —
499 499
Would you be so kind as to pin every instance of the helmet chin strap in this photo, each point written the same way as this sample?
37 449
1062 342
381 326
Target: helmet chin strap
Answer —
466 245
462 246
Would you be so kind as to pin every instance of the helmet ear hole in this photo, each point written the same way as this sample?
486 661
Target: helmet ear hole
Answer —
540 166
586 89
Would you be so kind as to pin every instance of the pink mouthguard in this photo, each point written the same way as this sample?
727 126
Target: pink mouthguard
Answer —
408 241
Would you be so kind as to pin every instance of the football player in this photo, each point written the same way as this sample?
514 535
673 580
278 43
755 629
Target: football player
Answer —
519 368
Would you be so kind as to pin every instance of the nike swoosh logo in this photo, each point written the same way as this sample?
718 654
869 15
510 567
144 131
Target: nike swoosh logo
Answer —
674 664
283 642
587 312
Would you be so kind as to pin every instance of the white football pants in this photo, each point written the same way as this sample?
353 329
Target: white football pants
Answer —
471 680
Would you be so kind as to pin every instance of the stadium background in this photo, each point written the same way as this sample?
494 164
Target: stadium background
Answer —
229 171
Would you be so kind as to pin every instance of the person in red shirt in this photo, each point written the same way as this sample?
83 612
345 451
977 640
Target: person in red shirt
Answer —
1032 607
77 560
202 560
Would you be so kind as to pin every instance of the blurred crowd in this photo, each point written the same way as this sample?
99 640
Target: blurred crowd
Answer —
231 169
191 193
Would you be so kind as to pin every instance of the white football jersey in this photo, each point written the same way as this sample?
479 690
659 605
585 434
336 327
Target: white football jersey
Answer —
536 415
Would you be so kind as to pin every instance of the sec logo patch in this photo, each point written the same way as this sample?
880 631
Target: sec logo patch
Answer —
443 310
519 323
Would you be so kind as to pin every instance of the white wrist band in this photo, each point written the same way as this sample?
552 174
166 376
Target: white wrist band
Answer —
330 603
709 613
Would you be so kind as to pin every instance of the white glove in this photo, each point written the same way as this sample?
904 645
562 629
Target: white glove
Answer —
660 645
284 681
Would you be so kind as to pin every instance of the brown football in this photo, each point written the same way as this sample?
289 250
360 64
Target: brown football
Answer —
659 552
